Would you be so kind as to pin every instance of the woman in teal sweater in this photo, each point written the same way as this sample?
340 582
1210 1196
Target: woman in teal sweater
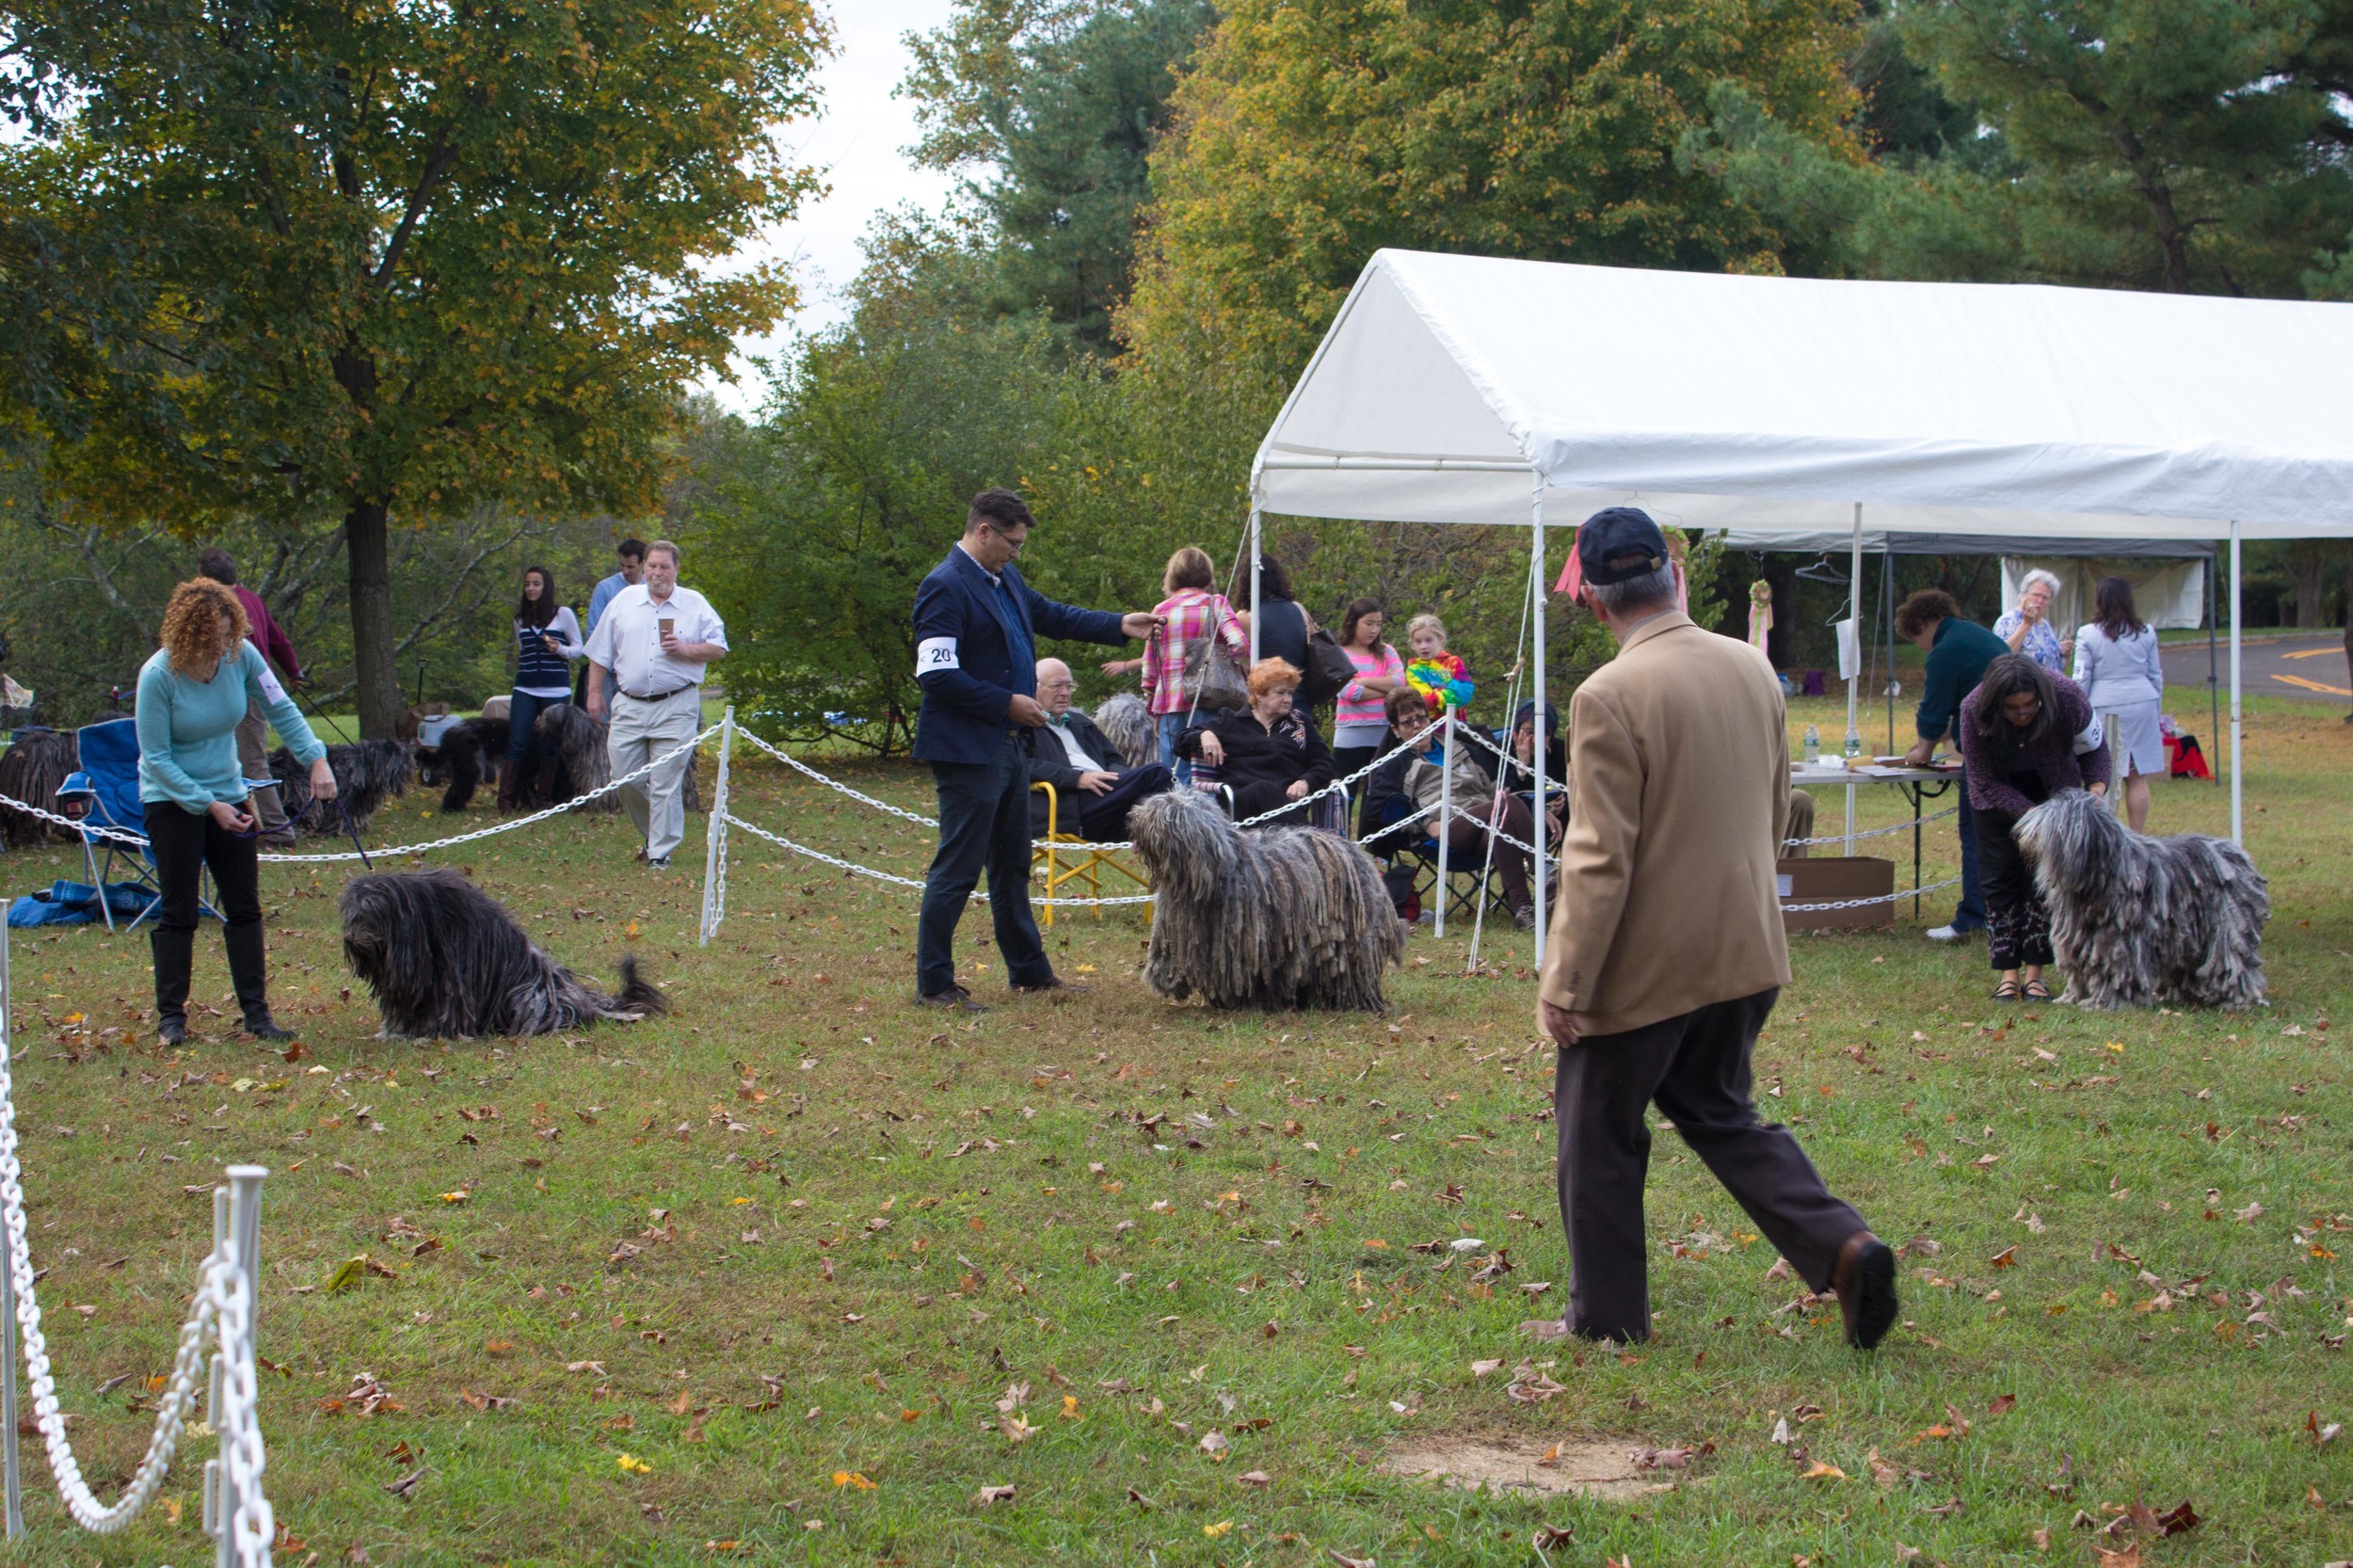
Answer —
192 694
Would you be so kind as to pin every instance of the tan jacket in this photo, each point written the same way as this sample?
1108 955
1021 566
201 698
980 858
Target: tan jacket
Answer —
1679 771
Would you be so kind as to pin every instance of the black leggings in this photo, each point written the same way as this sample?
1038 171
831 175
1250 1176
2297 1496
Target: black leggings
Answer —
183 843
2018 927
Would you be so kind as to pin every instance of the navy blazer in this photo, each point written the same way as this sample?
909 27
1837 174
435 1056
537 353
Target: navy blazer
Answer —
965 655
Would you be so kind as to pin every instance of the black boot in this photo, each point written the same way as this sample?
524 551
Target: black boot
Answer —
546 795
248 972
175 956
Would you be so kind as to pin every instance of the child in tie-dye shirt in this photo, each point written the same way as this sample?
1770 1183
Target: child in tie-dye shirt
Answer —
1442 678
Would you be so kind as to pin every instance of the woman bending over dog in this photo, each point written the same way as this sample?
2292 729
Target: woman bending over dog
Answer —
192 693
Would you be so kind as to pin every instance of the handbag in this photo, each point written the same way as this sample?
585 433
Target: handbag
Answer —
1329 670
1214 682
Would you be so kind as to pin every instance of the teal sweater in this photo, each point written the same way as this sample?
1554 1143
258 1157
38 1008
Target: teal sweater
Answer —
188 728
1956 665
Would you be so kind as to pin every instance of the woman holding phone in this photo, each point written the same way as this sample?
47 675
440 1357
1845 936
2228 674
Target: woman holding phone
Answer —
547 640
192 695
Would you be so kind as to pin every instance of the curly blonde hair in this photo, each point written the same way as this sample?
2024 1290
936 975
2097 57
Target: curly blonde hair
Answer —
192 636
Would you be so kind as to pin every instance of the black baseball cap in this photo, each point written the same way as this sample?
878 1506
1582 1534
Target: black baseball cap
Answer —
1618 533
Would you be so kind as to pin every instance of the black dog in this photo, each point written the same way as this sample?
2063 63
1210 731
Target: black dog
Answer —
446 961
366 776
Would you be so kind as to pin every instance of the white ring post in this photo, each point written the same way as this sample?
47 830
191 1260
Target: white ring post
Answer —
7 1292
1446 805
1254 584
2238 799
715 846
236 1212
1543 735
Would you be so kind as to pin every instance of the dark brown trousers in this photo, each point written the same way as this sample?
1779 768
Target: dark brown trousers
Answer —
1695 1067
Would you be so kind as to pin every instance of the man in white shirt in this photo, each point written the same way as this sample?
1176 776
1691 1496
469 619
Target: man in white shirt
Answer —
658 641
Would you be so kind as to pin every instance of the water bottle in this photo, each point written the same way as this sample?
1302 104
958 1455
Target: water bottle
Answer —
1812 746
1854 743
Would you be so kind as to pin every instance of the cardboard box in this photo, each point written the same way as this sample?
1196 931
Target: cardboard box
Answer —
1825 879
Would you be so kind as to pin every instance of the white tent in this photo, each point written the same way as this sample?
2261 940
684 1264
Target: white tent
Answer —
1466 389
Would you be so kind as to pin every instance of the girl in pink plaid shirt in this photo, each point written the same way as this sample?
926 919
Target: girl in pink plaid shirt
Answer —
1196 611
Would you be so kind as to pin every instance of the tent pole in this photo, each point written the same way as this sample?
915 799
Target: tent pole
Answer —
1854 610
1888 616
1542 736
2238 793
1254 584
2214 665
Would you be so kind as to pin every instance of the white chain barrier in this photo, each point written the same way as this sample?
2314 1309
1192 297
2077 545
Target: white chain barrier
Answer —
1878 898
135 840
222 1311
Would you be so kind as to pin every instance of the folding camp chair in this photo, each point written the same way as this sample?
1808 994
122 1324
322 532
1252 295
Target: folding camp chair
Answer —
102 793
1470 875
1073 858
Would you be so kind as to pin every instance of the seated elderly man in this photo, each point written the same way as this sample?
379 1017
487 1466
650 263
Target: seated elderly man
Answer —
1094 786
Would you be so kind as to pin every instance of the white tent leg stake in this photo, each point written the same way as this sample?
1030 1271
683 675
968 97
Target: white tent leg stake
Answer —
1542 736
1854 611
2238 761
715 847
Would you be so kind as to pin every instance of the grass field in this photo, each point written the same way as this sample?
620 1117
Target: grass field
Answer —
796 1274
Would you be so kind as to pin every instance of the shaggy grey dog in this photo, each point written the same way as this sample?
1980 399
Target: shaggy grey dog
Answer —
1127 723
2138 921
584 762
1272 919
366 776
446 961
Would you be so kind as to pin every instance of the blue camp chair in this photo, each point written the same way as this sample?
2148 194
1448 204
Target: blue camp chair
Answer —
104 793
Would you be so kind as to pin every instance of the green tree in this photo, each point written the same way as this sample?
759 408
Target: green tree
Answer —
1057 104
379 265
1313 131
2178 145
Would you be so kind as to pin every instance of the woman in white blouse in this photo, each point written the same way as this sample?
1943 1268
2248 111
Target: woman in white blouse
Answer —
2117 666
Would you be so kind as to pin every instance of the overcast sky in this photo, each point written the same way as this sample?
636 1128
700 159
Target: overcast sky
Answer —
858 141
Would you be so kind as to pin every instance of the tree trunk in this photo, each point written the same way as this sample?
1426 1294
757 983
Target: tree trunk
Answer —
376 685
2307 568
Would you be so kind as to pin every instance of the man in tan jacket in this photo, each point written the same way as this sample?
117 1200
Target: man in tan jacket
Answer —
1666 950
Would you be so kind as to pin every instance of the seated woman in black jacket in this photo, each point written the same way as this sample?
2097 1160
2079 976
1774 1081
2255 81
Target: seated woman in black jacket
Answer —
1265 753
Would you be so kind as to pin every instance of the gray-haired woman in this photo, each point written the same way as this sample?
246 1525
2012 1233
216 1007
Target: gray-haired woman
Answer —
2027 629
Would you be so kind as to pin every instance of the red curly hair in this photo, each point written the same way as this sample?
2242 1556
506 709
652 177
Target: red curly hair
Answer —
194 639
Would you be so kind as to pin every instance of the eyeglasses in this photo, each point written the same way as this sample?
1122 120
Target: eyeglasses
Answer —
1010 543
1056 685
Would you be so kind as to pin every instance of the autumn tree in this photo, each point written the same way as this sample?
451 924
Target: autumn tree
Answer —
382 265
1311 133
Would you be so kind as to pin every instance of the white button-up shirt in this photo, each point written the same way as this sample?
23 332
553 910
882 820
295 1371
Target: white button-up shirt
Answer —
628 640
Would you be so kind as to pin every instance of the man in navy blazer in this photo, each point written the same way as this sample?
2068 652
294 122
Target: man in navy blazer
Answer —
976 629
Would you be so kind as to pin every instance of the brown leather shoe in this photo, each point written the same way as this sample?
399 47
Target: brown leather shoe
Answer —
1057 984
1863 1280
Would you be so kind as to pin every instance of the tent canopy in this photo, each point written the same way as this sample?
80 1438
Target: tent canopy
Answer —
1776 405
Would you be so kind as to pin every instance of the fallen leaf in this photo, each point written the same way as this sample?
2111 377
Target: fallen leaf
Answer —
989 1495
406 1484
1481 1369
1256 1477
2003 1404
1344 1560
851 1478
1221 1527
1214 1443
1822 1470
632 1465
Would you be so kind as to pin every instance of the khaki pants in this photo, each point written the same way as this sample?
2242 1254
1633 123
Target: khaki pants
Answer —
642 731
253 761
1801 825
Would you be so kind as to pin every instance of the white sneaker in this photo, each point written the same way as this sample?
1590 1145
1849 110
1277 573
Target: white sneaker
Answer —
1948 934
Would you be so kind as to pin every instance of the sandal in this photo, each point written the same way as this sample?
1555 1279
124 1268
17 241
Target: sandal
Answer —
2036 991
2005 991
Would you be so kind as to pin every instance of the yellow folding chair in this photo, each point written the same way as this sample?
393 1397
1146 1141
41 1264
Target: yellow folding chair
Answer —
1070 858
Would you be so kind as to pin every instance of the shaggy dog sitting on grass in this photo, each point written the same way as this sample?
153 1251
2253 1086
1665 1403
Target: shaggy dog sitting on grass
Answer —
446 961
1272 919
2137 921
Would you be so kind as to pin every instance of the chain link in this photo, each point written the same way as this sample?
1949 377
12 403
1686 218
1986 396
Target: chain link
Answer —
135 841
222 1303
917 882
1860 902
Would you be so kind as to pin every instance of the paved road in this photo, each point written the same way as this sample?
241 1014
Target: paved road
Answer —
2311 668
